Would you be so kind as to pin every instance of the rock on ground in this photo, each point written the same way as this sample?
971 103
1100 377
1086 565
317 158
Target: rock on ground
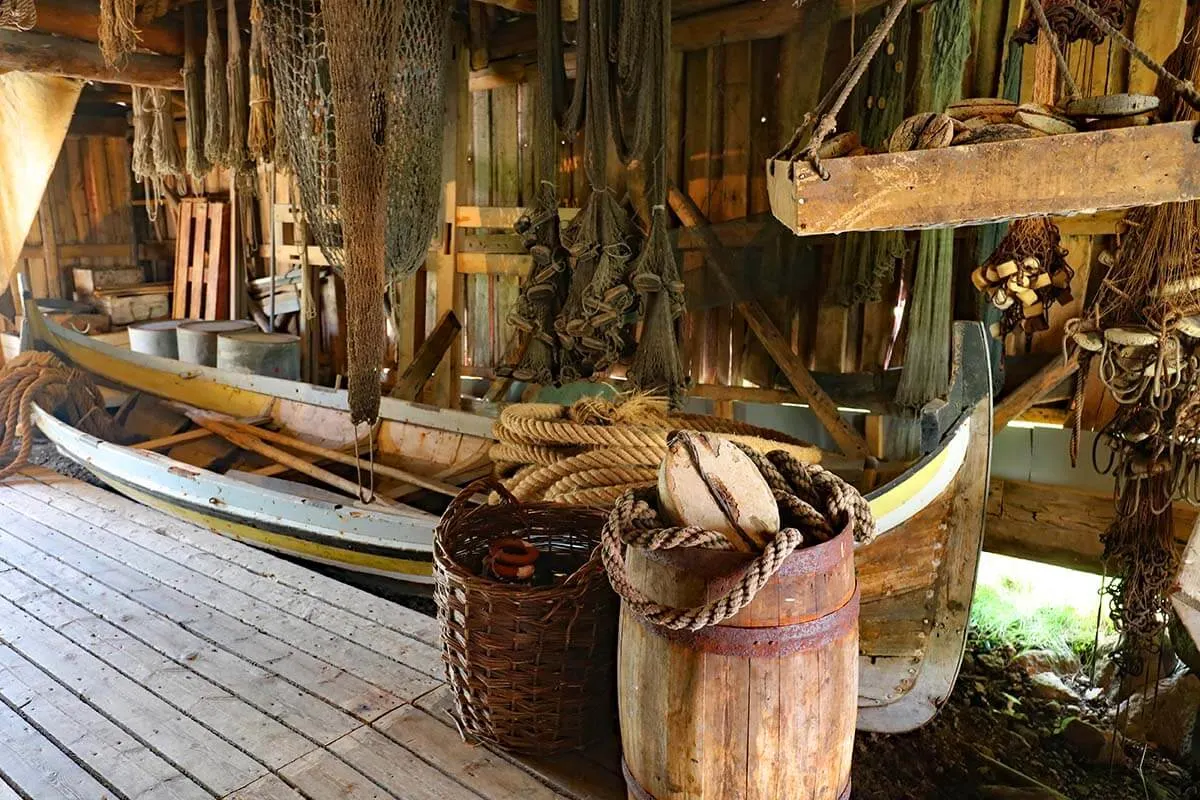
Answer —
1048 686
1165 714
1034 662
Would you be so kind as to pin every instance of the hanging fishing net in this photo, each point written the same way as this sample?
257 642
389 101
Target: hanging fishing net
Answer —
19 14
360 88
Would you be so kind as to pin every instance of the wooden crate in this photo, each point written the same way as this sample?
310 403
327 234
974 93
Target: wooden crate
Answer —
127 309
89 280
201 286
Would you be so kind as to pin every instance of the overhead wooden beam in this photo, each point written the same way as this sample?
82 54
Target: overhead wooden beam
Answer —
777 346
1059 525
1020 399
40 53
80 19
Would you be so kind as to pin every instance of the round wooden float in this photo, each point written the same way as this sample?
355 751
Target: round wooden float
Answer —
197 340
760 706
273 354
155 338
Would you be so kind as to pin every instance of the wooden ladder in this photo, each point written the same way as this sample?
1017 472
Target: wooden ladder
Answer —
201 288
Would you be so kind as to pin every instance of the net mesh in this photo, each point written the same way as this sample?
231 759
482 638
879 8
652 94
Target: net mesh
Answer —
360 88
19 14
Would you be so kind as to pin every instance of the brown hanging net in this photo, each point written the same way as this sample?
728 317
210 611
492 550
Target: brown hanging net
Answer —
359 83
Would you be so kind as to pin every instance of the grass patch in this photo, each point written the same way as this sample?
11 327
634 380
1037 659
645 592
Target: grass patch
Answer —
1026 605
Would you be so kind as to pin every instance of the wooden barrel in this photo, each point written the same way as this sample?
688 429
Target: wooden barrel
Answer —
155 338
759 707
273 354
198 340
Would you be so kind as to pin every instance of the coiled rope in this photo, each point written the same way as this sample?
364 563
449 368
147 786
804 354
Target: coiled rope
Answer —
592 452
817 505
68 393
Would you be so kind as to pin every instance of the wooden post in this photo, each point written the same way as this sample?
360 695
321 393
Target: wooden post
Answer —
779 348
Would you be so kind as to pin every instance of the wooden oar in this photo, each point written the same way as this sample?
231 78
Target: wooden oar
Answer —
256 445
324 452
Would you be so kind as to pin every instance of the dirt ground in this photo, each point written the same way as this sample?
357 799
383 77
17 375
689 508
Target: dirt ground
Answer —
992 732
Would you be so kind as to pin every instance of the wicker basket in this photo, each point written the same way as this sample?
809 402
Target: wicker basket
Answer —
531 667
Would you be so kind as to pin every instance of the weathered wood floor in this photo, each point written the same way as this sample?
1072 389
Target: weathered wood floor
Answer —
142 657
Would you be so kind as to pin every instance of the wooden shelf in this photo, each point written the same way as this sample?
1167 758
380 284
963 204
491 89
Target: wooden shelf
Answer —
1078 173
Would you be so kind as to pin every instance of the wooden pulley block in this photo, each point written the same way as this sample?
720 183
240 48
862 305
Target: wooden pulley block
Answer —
1091 341
708 482
1189 326
841 145
1111 105
1007 269
974 107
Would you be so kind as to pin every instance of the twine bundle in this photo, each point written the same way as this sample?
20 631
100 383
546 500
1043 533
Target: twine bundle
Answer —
815 505
260 138
168 160
593 451
41 378
216 92
141 151
193 99
545 287
238 89
117 34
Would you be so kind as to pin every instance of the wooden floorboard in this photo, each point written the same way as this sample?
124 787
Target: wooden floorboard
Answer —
142 657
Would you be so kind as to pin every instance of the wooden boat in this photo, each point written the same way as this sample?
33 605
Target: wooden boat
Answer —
917 578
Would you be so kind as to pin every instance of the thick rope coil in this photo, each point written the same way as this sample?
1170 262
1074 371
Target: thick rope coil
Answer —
818 502
41 378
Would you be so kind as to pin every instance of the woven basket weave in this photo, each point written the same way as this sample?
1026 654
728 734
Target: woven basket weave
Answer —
530 667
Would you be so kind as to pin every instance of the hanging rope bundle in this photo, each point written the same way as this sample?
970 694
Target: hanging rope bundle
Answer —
545 287
361 88
239 91
1069 25
117 34
260 138
141 151
593 451
168 160
645 41
868 260
193 98
18 14
594 325
1025 276
926 373
216 92
41 378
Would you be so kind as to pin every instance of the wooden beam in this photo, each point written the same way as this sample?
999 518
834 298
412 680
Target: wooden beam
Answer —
972 184
1020 399
115 127
80 19
428 356
777 346
1057 524
41 53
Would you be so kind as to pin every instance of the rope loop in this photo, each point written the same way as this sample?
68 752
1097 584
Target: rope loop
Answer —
815 504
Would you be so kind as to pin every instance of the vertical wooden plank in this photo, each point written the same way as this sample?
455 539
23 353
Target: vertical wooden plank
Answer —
116 155
1157 28
696 158
526 99
183 259
195 307
446 383
56 286
506 191
35 268
478 287
216 268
